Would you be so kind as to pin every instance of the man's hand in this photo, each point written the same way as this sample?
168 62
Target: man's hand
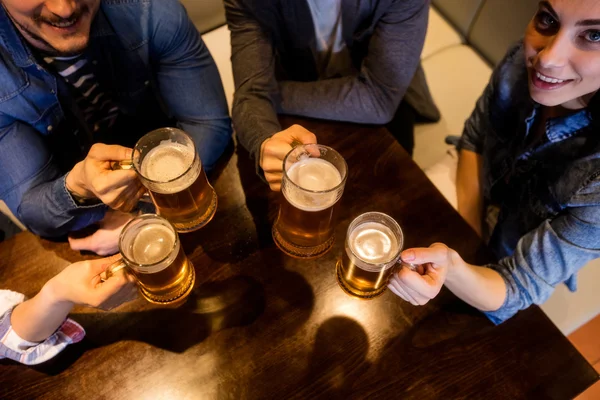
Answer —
418 287
94 178
274 149
105 241
80 283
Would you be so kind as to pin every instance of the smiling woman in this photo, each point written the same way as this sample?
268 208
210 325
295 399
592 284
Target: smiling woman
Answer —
530 150
562 49
56 27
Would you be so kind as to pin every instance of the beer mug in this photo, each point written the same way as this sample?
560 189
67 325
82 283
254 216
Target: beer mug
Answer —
373 245
169 166
151 252
313 181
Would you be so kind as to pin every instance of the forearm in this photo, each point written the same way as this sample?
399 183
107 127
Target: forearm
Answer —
254 110
38 318
348 99
372 94
49 210
188 80
468 189
211 138
254 120
481 287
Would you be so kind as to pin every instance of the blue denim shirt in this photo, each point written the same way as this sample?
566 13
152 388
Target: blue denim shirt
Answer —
549 195
150 57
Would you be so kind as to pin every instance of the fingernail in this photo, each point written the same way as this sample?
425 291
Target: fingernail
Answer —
408 255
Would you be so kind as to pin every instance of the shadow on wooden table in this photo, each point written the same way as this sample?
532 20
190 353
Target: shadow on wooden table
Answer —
338 360
261 202
212 307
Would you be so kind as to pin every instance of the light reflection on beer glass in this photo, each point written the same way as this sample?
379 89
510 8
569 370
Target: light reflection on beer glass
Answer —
373 244
313 182
169 166
152 253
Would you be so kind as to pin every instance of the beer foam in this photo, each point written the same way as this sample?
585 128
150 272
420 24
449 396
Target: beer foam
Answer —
152 244
373 243
167 161
316 175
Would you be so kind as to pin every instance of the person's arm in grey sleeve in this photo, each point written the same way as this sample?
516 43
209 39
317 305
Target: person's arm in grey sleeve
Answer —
373 94
256 91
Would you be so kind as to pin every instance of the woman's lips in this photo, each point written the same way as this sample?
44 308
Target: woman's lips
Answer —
545 82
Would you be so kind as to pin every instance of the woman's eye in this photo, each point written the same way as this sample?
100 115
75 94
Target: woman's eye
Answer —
545 21
592 36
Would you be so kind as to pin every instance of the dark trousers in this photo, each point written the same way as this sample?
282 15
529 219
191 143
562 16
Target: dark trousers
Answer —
402 126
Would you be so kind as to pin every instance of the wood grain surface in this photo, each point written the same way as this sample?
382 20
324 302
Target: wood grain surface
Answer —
261 325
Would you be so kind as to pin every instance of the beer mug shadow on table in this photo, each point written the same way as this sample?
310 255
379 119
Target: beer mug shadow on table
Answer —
169 166
152 253
313 182
371 255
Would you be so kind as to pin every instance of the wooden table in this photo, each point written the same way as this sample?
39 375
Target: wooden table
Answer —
262 325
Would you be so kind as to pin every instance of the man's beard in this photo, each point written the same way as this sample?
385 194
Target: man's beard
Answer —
49 48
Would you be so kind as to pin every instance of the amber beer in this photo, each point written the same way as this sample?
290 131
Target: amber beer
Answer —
169 166
313 182
152 253
373 245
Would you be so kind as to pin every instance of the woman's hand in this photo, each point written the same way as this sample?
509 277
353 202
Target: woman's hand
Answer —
423 284
481 287
80 283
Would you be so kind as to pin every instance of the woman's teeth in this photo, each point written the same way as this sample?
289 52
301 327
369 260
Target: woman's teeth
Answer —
547 79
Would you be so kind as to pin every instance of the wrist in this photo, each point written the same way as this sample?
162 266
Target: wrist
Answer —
75 185
53 293
455 268
261 150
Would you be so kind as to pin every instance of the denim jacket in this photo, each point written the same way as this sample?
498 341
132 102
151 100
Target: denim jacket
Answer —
150 57
549 195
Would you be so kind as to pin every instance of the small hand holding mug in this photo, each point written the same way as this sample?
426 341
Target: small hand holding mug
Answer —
42 315
81 283
419 285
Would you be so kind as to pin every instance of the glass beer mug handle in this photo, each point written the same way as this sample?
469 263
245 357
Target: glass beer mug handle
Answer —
403 264
112 270
122 164
411 266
